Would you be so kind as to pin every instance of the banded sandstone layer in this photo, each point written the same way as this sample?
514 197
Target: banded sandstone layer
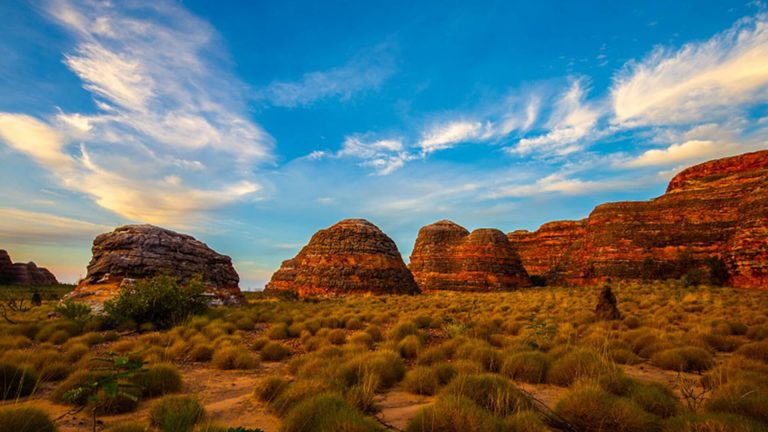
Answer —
353 256
23 273
448 257
717 210
140 251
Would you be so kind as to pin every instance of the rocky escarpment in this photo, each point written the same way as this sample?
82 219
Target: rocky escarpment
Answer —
23 273
353 256
448 257
140 251
713 215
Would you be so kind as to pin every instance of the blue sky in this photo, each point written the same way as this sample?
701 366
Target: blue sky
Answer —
253 124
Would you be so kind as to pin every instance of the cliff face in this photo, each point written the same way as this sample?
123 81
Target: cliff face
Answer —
448 257
141 251
23 273
352 257
713 212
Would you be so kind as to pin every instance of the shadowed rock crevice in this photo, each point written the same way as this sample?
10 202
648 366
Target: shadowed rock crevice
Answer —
353 256
448 257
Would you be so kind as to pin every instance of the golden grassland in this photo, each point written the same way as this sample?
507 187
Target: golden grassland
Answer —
681 359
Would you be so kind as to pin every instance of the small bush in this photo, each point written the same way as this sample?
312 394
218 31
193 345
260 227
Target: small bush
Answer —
755 351
712 422
525 421
422 380
160 300
16 381
25 419
296 393
176 413
159 380
202 352
274 351
337 337
432 355
409 347
531 366
328 413
684 359
231 357
454 414
55 371
592 409
386 365
575 365
491 392
401 330
741 397
278 332
270 388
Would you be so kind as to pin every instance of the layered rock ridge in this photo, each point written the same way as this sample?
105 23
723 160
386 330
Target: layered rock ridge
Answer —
448 257
23 273
712 215
351 257
134 252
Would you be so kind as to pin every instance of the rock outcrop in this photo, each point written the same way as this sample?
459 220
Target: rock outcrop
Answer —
140 251
448 257
352 257
23 273
713 215
606 309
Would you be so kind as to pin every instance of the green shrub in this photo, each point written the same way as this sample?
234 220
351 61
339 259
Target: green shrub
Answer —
530 366
684 359
403 329
55 371
25 419
653 397
491 392
386 365
296 393
592 409
274 351
454 414
160 300
232 357
278 332
176 413
328 412
269 388
575 365
422 380
74 311
16 381
159 380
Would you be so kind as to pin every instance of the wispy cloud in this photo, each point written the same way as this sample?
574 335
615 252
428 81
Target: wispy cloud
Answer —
384 156
32 227
165 103
448 135
366 71
700 81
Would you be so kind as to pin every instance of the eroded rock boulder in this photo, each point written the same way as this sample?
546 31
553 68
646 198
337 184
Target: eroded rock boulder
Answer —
713 215
141 251
351 257
23 273
448 257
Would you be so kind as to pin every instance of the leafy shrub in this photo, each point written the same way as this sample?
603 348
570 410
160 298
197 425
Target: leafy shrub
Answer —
159 380
232 357
530 366
593 409
25 419
176 413
328 413
454 414
684 359
491 392
16 381
74 311
160 300
274 351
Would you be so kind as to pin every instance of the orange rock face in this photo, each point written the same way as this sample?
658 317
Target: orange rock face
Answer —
713 212
352 257
448 257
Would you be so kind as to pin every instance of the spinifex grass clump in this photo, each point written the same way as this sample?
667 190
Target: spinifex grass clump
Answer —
25 419
16 382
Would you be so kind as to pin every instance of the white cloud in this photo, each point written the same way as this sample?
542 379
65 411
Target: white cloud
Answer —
558 183
32 227
571 122
676 153
368 70
384 156
165 102
700 81
447 135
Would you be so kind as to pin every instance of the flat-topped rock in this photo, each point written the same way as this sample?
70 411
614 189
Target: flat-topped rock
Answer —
351 257
134 252
448 257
